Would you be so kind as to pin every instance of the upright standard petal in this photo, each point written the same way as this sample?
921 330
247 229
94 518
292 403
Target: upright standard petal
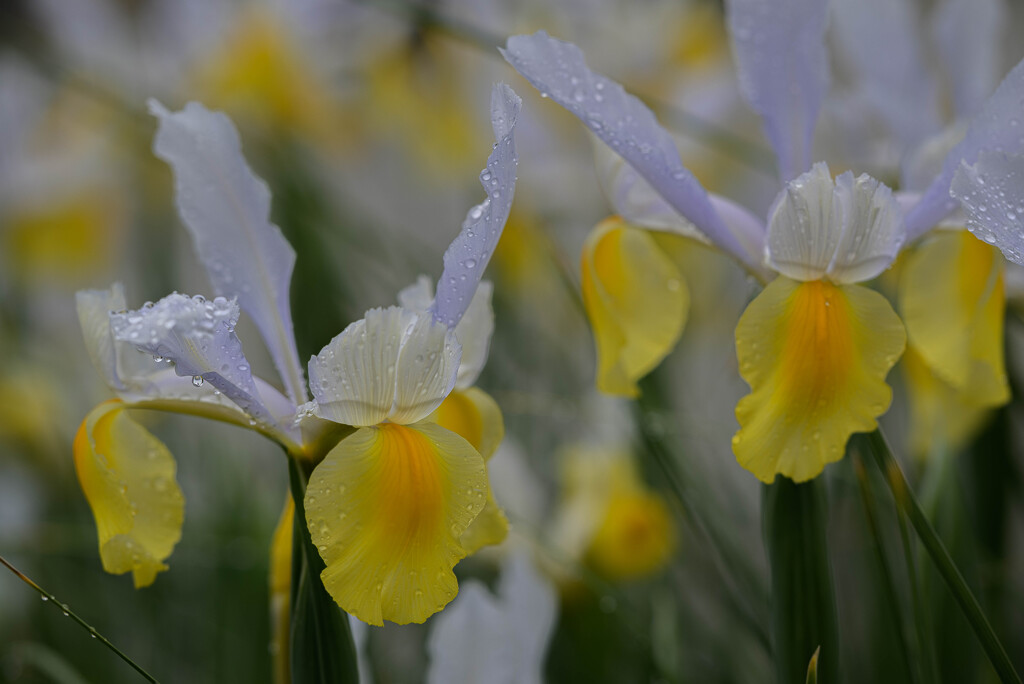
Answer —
198 337
882 41
474 331
128 477
428 364
974 73
815 356
386 509
636 300
353 377
226 209
94 308
467 256
847 231
779 49
992 194
953 302
559 71
996 127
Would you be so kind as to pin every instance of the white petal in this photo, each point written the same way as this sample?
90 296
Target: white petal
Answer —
474 333
467 256
992 194
531 607
353 377
226 209
558 69
881 39
779 48
469 641
417 297
873 229
427 368
94 308
804 226
974 72
997 126
198 336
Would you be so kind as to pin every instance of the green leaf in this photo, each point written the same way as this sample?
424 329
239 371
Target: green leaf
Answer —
803 600
321 648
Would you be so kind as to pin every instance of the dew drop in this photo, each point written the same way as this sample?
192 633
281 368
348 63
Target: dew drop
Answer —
197 380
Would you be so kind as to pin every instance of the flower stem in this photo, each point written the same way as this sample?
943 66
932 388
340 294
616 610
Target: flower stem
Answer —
47 596
908 504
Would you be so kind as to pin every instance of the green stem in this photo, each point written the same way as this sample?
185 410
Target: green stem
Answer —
907 502
892 597
47 596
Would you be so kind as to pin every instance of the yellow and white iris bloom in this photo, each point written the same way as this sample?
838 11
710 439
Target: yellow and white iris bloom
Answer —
814 346
398 492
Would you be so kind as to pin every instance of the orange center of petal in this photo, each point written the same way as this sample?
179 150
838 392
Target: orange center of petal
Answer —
409 466
817 360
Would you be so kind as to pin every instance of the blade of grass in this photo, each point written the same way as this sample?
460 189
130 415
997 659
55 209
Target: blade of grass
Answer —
50 598
908 503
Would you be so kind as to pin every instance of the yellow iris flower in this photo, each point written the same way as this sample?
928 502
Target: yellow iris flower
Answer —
396 436
815 346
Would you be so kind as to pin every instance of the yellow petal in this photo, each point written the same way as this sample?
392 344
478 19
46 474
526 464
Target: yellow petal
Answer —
952 300
635 538
815 356
386 509
127 475
280 591
474 415
636 301
940 418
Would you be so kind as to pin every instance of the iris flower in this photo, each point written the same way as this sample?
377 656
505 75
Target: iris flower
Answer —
815 345
396 498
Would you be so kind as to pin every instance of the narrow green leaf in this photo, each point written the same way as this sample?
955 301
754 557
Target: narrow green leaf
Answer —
803 602
321 649
812 667
907 502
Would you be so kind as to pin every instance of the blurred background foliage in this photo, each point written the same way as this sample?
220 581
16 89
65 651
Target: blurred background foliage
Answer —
368 122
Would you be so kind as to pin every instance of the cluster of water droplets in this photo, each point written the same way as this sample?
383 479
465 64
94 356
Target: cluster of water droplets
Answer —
992 195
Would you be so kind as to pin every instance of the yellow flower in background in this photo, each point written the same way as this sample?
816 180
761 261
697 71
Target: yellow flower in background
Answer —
609 518
393 496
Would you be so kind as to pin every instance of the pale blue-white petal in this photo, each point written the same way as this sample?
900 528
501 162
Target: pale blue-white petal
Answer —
94 308
881 40
558 70
469 641
999 126
353 377
780 57
198 337
968 37
531 608
428 364
467 256
226 209
473 332
991 192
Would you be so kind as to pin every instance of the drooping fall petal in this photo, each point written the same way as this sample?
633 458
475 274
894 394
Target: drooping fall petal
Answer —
636 301
128 477
386 509
474 415
815 356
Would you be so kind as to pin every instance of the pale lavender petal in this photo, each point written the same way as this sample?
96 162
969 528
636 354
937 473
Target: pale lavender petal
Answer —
999 126
227 211
198 337
992 194
881 40
974 73
531 608
558 70
467 256
780 57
